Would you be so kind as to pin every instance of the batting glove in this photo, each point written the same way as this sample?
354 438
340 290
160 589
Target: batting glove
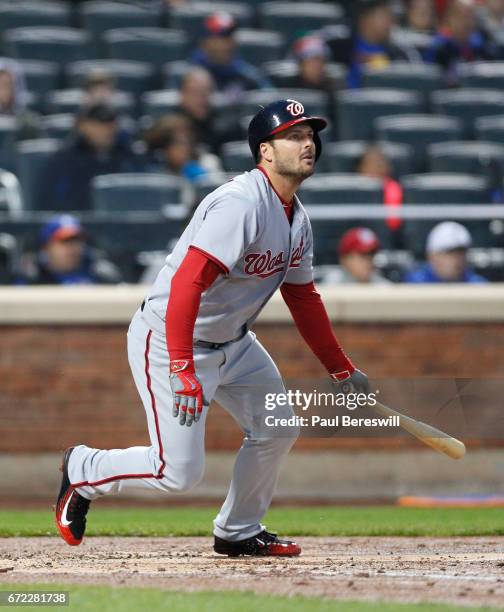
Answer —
346 382
187 391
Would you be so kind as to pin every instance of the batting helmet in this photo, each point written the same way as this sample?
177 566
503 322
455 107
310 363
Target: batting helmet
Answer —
279 116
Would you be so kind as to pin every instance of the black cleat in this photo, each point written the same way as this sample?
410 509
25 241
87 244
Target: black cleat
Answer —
263 544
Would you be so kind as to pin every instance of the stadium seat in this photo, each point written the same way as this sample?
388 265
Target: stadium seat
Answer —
283 72
442 190
490 129
8 132
316 101
236 157
173 72
419 131
135 192
98 17
260 46
154 45
58 126
404 37
189 17
158 103
28 13
419 77
59 45
293 19
341 189
357 109
343 156
11 199
480 158
488 75
31 158
41 77
70 100
468 105
130 76
209 183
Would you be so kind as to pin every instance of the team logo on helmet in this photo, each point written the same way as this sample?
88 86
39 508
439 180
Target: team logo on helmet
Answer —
295 108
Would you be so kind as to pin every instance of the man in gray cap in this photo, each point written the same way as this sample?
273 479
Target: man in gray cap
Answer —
447 245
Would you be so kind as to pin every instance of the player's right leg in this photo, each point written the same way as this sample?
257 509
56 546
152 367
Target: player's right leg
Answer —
174 462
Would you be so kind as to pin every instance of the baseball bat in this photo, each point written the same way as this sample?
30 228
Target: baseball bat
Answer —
429 435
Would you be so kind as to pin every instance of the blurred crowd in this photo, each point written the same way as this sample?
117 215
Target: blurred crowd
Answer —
188 141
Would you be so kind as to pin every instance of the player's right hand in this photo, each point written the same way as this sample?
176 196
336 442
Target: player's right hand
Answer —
187 391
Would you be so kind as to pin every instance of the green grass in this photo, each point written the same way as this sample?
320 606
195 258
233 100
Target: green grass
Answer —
128 599
303 521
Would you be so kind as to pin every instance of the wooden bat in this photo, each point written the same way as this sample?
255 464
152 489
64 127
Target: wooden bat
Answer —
429 435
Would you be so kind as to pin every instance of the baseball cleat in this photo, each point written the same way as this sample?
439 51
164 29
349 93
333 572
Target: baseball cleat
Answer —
71 508
263 544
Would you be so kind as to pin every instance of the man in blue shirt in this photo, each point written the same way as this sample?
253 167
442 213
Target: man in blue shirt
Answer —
447 246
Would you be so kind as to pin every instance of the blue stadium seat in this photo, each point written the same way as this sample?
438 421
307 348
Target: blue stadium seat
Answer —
293 19
343 156
423 78
58 45
28 13
135 192
158 103
70 101
479 158
260 46
190 17
442 190
419 131
468 105
236 157
282 73
96 17
357 109
31 159
490 129
58 126
41 77
322 189
130 76
156 46
488 75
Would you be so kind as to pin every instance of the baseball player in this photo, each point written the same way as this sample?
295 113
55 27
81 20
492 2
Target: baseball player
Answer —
191 342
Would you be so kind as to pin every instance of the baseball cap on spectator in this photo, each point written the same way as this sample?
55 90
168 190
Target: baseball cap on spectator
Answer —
219 24
448 236
358 240
61 227
100 111
310 46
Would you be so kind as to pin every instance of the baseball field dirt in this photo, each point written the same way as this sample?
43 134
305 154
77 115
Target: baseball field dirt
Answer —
466 571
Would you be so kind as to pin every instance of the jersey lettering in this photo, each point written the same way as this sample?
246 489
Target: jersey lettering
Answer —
264 264
297 255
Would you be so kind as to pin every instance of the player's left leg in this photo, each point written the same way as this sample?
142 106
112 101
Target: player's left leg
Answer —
245 382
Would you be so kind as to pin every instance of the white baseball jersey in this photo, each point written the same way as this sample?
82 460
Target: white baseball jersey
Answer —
242 226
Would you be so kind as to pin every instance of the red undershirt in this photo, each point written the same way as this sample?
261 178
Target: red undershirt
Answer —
197 273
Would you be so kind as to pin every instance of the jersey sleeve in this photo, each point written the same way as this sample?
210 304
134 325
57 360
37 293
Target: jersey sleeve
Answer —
300 266
229 226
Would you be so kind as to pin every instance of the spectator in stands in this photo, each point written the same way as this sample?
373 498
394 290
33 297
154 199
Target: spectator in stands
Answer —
372 44
172 146
420 16
95 147
491 15
447 245
99 88
196 90
357 249
13 99
64 258
458 41
218 54
374 163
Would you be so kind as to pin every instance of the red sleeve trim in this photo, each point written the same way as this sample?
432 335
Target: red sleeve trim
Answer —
294 285
211 257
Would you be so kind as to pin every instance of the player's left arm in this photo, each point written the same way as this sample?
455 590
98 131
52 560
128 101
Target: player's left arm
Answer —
311 319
